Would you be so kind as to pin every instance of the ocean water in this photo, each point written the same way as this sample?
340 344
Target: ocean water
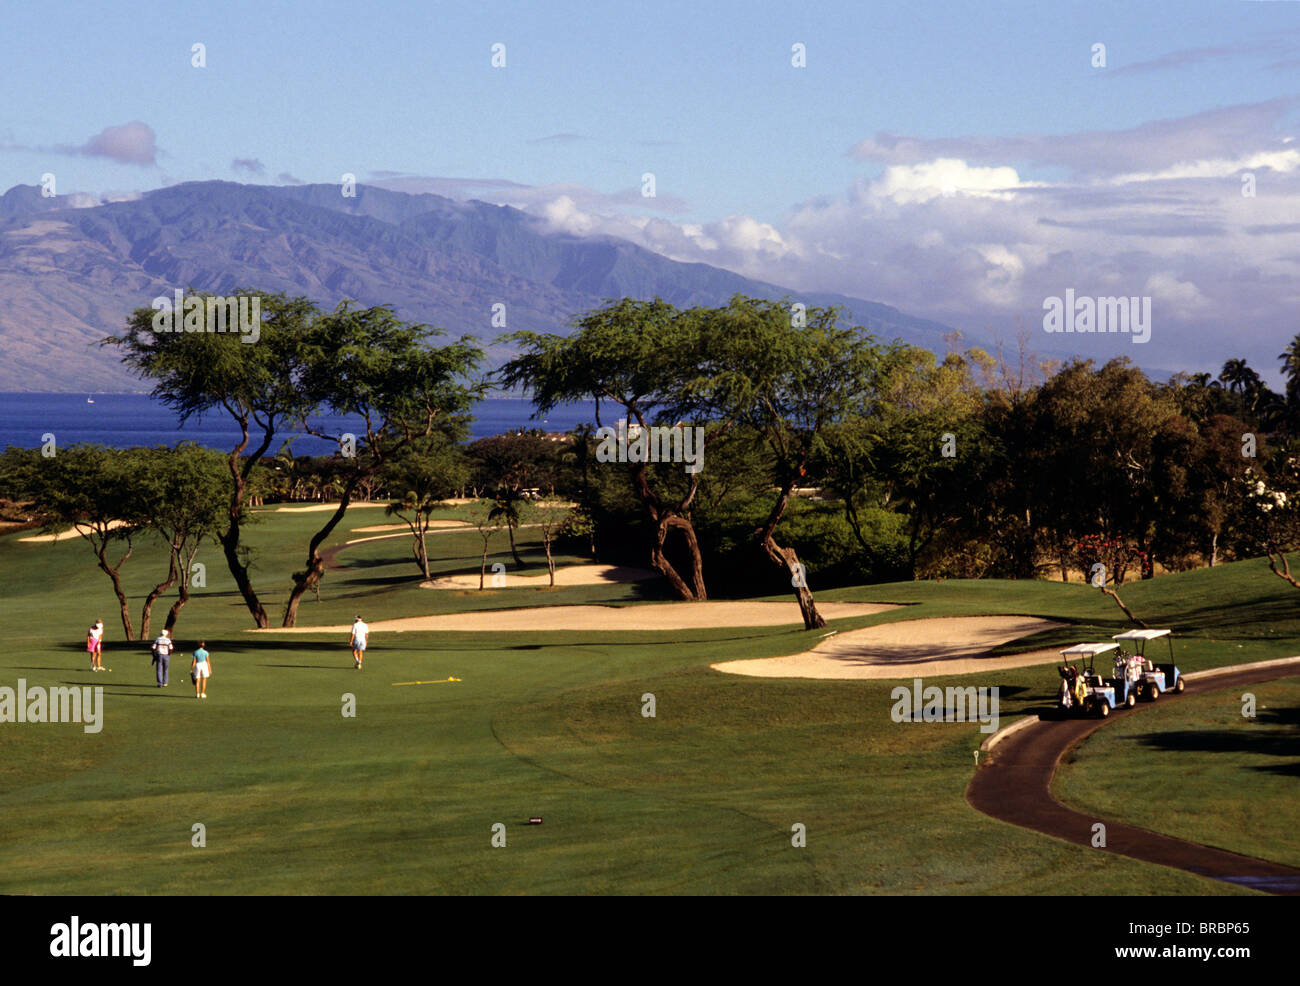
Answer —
125 420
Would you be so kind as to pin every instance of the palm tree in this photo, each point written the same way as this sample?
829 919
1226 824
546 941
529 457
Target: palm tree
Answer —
1245 382
1290 358
1239 377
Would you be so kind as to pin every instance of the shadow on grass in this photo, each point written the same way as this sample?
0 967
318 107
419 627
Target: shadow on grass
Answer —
135 691
1273 734
312 667
65 668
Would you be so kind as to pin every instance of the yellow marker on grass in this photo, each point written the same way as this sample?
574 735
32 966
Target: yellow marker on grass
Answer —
439 681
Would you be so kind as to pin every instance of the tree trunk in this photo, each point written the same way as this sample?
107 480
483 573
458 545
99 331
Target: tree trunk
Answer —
1214 549
812 620
114 574
519 562
482 568
183 594
550 562
695 592
146 614
788 558
230 548
422 552
229 538
665 518
851 515
1285 571
315 566
1127 612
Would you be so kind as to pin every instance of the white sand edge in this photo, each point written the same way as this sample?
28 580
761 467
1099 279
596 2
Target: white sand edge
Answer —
564 576
71 532
661 617
907 649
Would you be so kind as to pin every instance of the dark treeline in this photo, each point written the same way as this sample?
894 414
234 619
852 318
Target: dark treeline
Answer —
904 465
751 448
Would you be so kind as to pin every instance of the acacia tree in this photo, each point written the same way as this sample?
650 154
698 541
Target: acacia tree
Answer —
487 524
506 508
186 506
256 384
641 356
789 380
98 492
421 477
550 521
112 497
365 363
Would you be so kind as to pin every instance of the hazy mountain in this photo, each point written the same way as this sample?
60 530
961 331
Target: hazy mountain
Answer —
69 276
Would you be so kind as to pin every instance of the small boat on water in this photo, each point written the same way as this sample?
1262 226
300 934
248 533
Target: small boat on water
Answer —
89 399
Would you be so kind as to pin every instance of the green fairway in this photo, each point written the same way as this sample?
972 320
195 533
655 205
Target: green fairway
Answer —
402 798
1198 769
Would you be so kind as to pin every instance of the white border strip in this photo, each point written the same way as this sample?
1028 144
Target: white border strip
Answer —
1006 731
1234 668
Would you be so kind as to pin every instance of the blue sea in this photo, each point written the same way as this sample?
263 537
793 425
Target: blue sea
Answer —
125 420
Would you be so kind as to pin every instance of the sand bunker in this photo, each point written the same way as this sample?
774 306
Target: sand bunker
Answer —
313 508
71 532
907 649
648 616
567 575
403 527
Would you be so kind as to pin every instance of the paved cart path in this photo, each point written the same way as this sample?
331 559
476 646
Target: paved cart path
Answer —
1014 785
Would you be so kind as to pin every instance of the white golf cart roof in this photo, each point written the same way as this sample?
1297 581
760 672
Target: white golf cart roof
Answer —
1089 649
1140 634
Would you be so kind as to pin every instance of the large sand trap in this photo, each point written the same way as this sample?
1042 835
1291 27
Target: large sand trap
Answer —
313 508
567 575
403 527
406 532
907 649
71 532
649 616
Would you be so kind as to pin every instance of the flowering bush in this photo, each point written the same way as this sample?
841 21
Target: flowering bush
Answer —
1116 554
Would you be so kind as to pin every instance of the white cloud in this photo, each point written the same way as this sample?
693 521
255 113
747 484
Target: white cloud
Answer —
963 231
1282 161
1183 297
944 177
562 215
130 143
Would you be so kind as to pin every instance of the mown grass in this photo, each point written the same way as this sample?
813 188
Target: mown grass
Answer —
402 798
1197 768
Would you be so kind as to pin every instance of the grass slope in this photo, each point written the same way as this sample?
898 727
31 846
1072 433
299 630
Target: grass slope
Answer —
702 798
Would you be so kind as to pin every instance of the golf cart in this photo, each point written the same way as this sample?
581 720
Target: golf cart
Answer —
1151 680
1083 690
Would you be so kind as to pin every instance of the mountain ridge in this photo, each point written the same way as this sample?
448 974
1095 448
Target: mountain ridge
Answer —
71 271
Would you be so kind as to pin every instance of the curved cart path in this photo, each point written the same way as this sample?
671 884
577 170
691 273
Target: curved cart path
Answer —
1014 785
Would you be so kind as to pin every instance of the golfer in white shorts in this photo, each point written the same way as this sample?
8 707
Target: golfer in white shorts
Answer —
359 634
201 670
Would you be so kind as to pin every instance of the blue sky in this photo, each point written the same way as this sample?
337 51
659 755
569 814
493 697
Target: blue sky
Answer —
759 166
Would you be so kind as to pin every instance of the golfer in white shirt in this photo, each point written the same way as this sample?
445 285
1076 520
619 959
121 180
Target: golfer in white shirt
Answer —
359 634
